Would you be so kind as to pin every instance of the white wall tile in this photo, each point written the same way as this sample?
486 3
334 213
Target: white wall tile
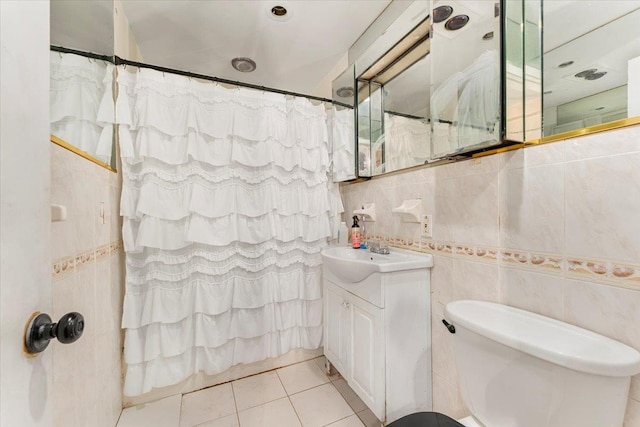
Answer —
476 281
475 210
620 141
604 309
632 416
531 291
532 209
446 399
544 154
602 207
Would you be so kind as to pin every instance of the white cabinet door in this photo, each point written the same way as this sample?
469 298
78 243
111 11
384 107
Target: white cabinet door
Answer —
366 373
337 330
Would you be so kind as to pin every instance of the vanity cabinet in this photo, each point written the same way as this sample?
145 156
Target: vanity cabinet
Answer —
378 336
354 344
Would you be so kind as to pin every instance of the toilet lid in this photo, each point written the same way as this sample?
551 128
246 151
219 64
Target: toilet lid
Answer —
425 419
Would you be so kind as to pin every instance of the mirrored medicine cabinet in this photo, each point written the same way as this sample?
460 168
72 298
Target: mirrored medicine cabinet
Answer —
81 78
443 80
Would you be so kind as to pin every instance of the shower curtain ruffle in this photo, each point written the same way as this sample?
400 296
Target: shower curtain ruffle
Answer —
164 371
81 103
226 207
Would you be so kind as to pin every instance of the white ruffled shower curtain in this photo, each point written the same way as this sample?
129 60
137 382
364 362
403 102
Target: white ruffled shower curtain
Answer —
226 206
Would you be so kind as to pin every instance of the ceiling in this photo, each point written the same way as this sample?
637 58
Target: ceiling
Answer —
600 35
292 53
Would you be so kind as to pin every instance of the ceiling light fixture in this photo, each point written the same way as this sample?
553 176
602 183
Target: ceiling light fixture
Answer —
565 64
345 92
595 76
456 22
245 65
441 13
278 11
585 73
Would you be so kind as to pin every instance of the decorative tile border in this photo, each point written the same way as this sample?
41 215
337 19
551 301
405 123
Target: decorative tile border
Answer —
626 275
66 265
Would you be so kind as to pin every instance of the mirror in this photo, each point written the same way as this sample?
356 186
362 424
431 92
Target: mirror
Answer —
591 55
342 123
466 76
81 90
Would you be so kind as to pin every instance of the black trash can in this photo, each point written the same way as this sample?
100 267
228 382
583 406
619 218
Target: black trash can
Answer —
425 419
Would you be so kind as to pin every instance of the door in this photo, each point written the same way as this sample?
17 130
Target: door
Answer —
25 258
337 330
367 374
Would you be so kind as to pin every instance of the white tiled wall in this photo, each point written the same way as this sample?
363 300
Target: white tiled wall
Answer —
552 229
88 278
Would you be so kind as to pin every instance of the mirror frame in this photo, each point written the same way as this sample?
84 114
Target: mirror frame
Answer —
66 144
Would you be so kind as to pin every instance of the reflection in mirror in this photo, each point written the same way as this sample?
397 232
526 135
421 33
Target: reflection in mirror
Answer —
81 91
465 100
393 129
343 134
406 117
81 103
592 65
83 25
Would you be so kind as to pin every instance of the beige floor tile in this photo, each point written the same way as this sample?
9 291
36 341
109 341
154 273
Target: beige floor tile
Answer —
320 406
228 421
161 413
369 419
207 405
349 395
352 421
278 413
257 390
302 376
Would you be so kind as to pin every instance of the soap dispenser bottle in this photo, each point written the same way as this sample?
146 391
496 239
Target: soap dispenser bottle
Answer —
355 233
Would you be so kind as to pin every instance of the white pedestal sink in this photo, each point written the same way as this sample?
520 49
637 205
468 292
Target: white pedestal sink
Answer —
378 327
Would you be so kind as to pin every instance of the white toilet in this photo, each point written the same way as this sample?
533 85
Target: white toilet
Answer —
520 369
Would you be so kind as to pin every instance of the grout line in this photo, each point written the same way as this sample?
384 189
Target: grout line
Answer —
235 403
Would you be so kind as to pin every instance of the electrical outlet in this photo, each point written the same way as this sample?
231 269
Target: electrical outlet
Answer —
426 226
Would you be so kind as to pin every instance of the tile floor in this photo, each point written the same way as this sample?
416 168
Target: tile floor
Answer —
300 395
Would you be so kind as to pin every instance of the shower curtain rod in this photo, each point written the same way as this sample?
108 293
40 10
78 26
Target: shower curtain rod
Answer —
91 55
120 61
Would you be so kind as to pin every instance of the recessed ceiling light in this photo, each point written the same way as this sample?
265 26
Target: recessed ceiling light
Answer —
345 92
488 36
585 73
441 13
456 22
565 64
245 65
595 76
278 11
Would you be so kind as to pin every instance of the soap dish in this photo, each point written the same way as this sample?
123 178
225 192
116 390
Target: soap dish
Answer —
409 210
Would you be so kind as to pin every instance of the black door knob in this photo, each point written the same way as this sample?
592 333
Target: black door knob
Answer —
41 330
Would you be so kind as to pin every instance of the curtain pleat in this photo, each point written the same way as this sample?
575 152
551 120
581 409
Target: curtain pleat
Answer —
226 207
81 103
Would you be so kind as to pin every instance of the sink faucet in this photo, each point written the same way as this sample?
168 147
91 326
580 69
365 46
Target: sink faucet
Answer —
379 248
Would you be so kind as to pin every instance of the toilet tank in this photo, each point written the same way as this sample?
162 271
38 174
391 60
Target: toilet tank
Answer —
520 369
